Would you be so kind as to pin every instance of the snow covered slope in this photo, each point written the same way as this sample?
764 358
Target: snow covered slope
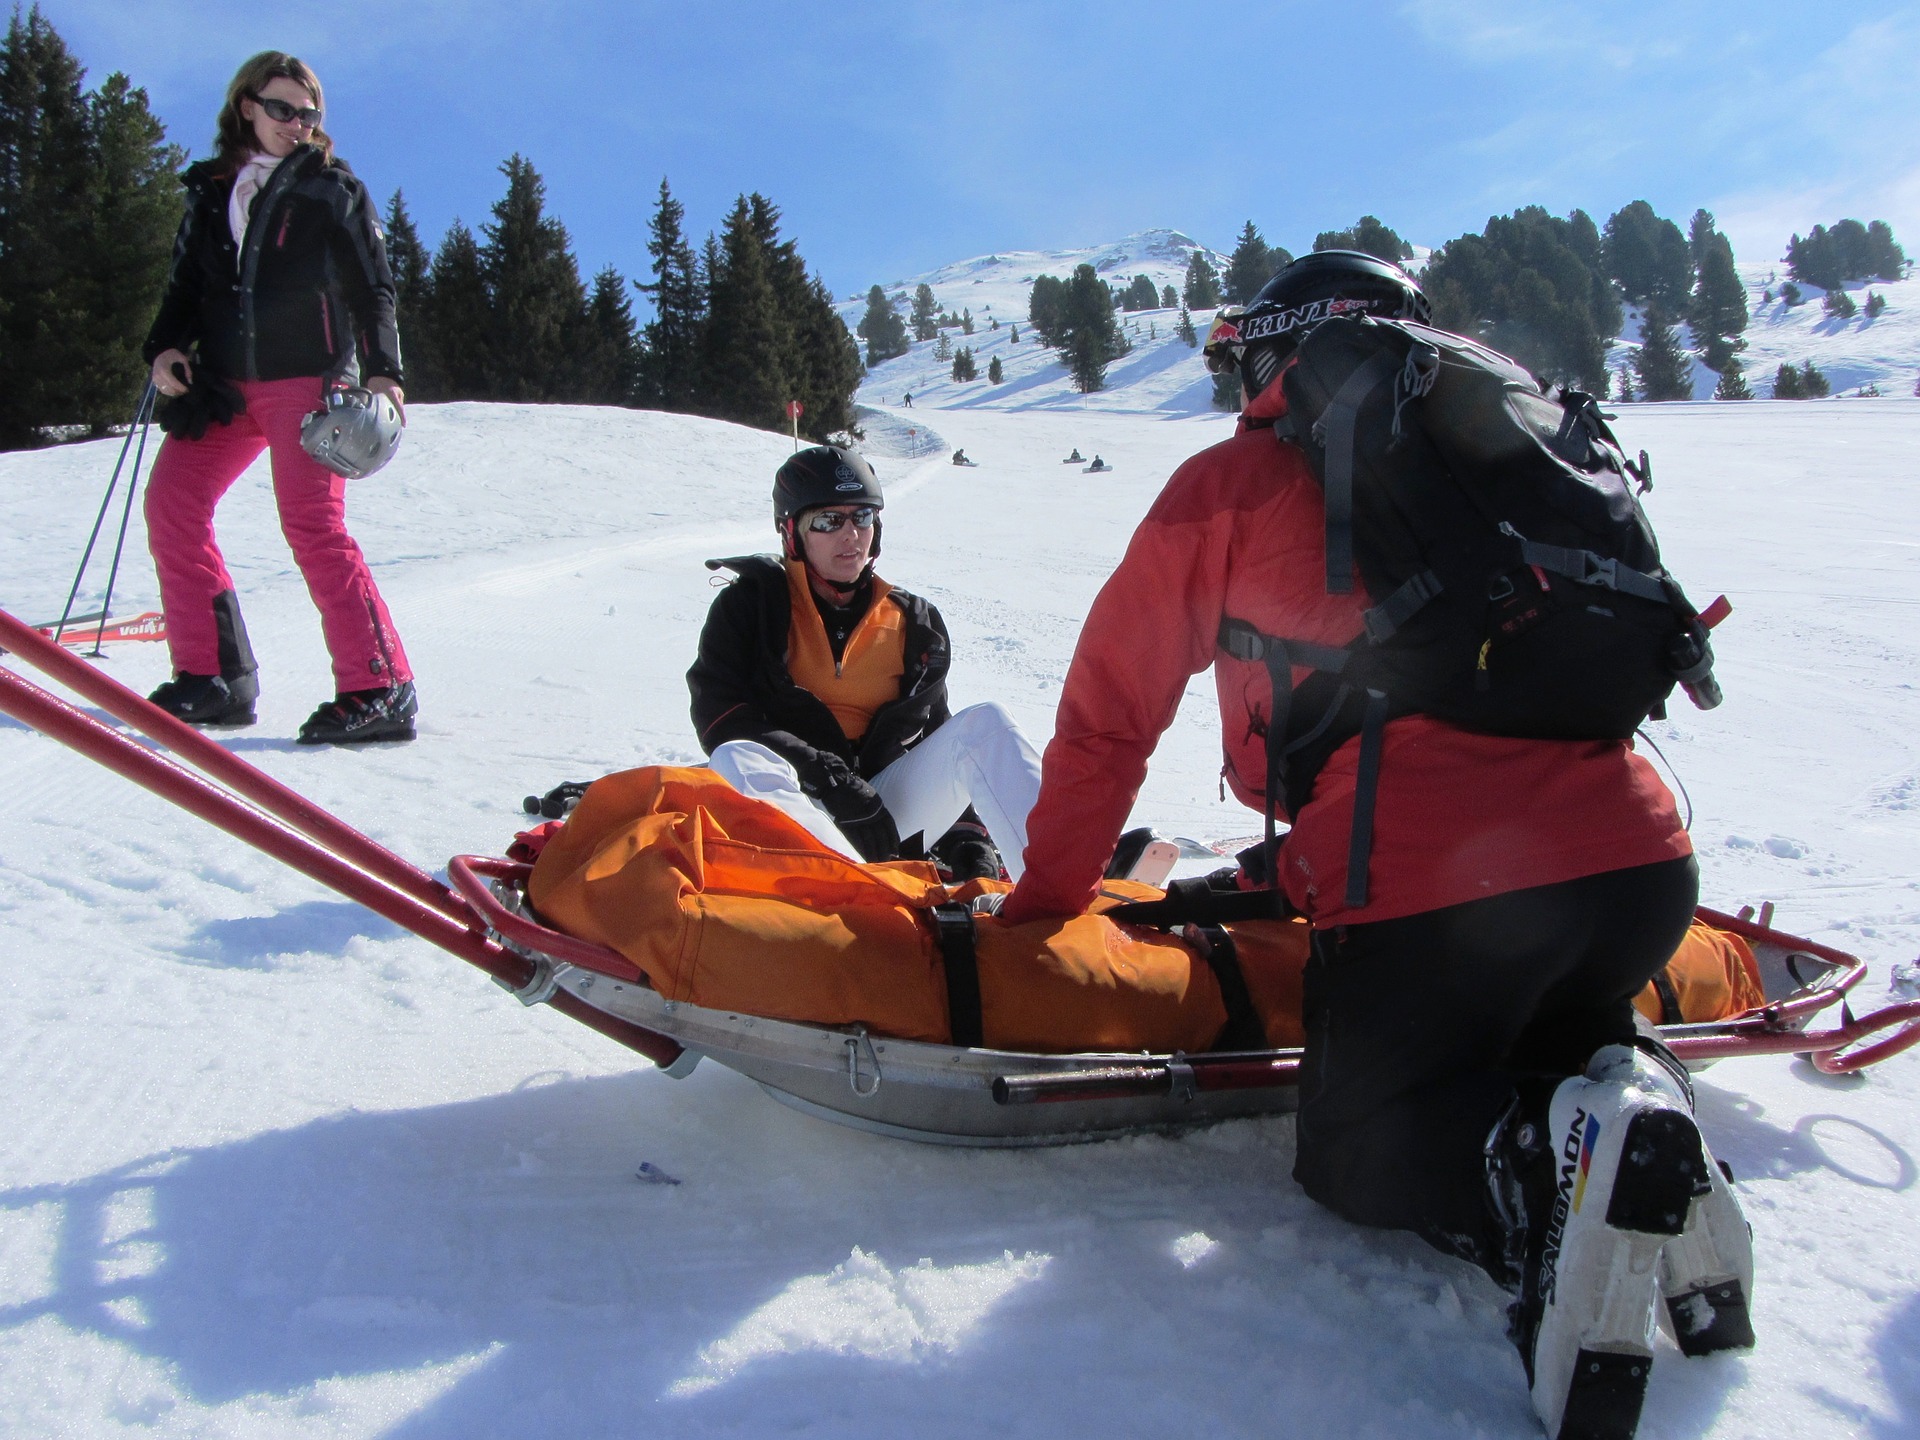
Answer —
272 1168
1164 377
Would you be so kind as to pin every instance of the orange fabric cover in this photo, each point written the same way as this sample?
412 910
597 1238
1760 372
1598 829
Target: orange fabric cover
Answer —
1713 973
867 674
726 903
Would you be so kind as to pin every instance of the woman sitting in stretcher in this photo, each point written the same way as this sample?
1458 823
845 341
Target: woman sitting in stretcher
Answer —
822 689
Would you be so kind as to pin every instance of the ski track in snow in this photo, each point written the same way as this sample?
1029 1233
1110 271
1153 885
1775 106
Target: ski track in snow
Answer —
273 1168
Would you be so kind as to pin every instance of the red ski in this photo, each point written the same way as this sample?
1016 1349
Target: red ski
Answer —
97 629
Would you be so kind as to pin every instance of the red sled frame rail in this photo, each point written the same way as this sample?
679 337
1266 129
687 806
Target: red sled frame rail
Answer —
468 921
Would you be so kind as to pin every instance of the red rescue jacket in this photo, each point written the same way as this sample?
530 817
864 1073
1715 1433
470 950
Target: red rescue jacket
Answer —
1240 531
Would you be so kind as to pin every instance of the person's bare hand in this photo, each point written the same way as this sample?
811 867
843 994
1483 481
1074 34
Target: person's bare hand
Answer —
386 385
164 378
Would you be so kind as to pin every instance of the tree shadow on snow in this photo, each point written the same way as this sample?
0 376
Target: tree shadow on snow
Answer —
801 1277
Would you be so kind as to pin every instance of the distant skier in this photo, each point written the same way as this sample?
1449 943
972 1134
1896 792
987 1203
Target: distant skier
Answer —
1076 458
823 689
1472 1072
279 289
1098 466
960 458
907 400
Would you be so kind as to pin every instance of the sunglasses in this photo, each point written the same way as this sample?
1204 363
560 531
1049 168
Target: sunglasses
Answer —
825 522
283 112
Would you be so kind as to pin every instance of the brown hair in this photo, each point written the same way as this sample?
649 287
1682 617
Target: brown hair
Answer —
233 138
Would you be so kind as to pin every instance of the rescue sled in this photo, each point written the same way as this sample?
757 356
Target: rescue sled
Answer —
910 1089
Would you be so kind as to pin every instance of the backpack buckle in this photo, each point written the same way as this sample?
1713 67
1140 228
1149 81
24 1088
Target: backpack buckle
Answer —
1601 572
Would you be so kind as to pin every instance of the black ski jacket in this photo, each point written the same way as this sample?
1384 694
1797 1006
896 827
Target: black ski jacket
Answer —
742 691
309 289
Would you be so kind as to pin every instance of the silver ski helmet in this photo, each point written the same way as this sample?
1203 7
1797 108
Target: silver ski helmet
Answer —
355 434
1316 287
822 475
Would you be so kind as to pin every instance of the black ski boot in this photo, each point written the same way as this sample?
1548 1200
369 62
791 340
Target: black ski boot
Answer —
967 853
359 717
209 699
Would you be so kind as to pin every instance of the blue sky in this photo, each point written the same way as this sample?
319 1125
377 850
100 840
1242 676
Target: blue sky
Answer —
899 137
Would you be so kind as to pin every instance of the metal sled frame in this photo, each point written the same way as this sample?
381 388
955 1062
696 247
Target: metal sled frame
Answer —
937 1093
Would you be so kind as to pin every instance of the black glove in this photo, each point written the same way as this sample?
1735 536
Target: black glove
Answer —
209 401
557 802
855 807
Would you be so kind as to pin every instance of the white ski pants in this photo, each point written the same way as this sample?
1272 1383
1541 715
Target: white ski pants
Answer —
978 758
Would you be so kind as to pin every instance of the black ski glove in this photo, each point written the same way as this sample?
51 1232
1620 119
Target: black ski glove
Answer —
209 401
557 802
855 807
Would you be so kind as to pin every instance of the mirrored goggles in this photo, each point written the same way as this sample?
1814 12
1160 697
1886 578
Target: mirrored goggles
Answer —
1223 347
825 522
283 112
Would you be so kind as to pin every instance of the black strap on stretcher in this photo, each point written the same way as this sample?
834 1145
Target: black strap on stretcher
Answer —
953 933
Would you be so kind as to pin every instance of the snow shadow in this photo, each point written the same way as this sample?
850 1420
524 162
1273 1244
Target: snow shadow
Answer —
254 942
800 1277
1737 1132
1898 1350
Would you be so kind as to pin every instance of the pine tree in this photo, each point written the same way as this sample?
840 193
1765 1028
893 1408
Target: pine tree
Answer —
1252 264
942 351
820 358
995 374
88 207
1786 383
1648 257
1876 303
1624 394
1369 236
1202 288
966 322
1140 295
412 279
537 301
671 374
1169 297
1184 331
963 366
1813 382
1718 313
1665 371
1089 337
1839 304
458 317
1046 308
1013 336
612 364
1532 287
882 328
745 379
925 319
1733 382
1790 295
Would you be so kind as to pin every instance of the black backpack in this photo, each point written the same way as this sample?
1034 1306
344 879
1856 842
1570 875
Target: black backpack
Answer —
1516 585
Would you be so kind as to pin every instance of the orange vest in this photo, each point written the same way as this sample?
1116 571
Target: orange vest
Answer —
867 675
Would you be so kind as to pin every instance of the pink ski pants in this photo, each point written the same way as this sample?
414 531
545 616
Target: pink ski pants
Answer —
190 476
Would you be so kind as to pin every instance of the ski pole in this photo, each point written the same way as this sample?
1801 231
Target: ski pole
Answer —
120 544
142 413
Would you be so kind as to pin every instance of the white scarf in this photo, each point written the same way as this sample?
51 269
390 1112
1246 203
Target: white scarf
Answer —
247 184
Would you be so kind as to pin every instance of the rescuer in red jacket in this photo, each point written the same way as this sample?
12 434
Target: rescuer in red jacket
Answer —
1520 891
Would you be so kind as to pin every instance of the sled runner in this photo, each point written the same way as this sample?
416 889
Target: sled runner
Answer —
916 1089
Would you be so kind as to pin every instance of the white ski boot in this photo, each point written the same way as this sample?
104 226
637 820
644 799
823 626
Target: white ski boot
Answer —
1143 856
1706 1272
1628 1168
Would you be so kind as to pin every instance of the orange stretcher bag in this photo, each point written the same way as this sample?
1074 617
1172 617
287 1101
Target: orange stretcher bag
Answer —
727 903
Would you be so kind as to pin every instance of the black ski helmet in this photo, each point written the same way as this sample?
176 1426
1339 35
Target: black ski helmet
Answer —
1313 288
822 475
